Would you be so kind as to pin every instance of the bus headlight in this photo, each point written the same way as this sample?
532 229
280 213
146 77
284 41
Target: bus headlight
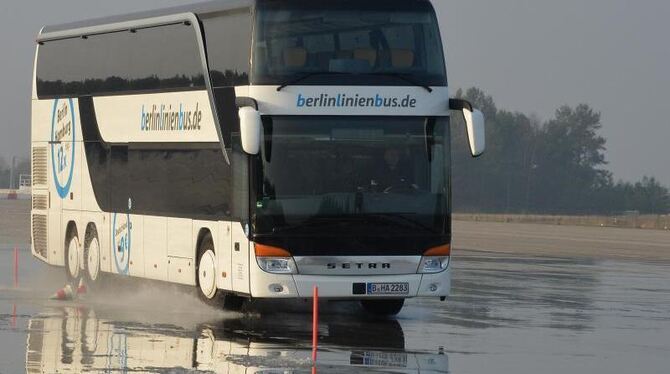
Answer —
277 265
274 260
431 265
436 259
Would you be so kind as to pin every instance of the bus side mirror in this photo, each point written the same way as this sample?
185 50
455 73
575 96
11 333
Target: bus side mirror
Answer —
474 125
250 130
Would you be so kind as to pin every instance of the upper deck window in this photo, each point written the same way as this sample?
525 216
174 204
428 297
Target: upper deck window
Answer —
155 59
362 39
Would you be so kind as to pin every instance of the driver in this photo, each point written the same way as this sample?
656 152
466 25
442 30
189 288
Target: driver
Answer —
392 173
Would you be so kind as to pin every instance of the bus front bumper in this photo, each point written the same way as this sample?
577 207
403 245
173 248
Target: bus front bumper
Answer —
266 285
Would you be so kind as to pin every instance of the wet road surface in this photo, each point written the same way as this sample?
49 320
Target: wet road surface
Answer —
509 313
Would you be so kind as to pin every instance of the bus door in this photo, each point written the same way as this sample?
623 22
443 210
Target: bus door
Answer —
240 271
240 208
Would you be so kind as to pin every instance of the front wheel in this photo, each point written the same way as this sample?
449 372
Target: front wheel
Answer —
206 279
383 308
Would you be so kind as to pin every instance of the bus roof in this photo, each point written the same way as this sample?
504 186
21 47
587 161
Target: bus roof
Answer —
202 8
148 18
198 8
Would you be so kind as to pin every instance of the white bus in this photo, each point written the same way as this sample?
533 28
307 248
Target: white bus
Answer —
252 149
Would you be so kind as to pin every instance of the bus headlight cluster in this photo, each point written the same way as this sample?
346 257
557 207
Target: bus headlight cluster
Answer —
277 265
431 265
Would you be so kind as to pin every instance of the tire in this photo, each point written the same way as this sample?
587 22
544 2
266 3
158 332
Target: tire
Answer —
92 252
383 308
72 258
205 279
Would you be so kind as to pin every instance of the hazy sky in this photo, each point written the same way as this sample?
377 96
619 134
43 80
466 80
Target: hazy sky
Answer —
531 55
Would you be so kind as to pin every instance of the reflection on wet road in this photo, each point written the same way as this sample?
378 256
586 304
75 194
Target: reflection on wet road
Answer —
508 314
78 339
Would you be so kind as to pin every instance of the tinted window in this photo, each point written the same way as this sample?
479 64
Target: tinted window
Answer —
228 38
189 180
364 38
153 59
192 181
118 176
375 166
181 180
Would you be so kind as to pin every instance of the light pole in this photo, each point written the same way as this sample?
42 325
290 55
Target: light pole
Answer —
11 173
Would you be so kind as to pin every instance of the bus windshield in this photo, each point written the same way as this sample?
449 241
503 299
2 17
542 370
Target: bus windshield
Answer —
371 42
352 175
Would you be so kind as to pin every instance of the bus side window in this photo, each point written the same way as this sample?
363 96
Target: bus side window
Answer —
121 62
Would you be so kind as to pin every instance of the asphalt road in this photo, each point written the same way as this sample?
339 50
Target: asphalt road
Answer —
526 299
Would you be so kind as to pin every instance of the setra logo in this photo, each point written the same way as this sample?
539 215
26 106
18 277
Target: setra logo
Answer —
358 265
62 145
121 242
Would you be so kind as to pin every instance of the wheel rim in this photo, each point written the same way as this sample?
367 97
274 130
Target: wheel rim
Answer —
93 260
73 257
206 274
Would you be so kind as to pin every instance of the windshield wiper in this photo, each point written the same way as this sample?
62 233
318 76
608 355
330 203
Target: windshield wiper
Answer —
405 77
295 80
309 224
393 219
398 219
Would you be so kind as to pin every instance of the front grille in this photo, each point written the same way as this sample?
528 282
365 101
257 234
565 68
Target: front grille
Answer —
39 164
40 202
40 234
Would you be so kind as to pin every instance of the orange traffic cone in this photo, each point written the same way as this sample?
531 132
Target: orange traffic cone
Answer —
82 289
64 293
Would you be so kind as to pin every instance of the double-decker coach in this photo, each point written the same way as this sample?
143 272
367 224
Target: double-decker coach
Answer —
252 149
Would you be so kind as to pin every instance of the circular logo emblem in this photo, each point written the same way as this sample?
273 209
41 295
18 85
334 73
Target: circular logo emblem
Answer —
62 145
121 242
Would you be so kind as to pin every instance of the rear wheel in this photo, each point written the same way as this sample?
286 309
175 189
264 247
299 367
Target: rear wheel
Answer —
72 258
383 308
206 279
92 257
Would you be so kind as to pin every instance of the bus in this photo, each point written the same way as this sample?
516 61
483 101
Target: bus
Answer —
251 149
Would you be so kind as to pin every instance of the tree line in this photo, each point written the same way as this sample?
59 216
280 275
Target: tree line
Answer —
556 166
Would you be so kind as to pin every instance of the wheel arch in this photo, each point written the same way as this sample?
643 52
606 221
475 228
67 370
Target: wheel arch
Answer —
91 228
202 234
70 229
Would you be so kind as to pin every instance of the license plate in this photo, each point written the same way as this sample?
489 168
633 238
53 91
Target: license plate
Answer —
388 288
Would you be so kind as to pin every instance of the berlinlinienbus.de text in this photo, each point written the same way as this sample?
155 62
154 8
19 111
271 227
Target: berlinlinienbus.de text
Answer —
165 118
355 101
